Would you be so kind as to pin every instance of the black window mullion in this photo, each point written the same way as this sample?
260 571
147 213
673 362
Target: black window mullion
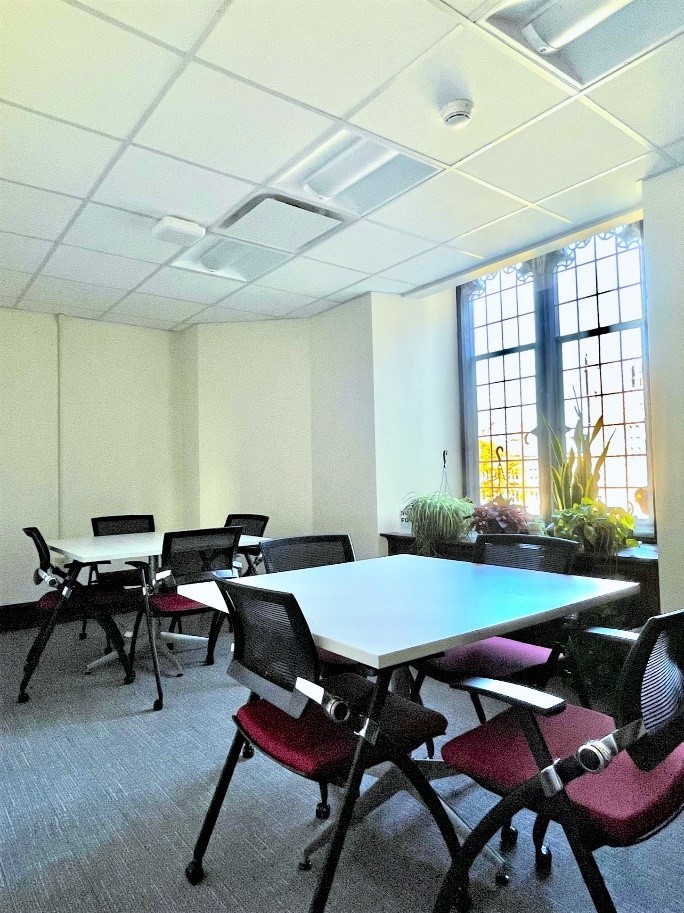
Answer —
468 397
549 378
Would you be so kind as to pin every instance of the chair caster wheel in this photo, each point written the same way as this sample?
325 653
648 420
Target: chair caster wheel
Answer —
23 697
194 872
130 678
209 662
82 635
543 860
107 650
502 877
304 865
509 837
158 704
247 751
322 811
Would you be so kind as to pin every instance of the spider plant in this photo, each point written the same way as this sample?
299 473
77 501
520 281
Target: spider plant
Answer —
438 517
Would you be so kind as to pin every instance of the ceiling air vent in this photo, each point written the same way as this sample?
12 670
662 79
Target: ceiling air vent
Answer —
230 259
277 221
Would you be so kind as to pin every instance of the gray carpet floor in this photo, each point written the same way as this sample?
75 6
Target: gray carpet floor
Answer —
101 800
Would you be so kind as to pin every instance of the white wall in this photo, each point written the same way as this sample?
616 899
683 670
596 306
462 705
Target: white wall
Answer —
29 451
185 412
343 425
254 395
664 244
415 362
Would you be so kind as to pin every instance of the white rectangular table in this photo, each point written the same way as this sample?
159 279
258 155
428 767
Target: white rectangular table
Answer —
387 612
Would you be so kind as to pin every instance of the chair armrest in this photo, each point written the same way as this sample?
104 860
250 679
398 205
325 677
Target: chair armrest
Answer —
224 574
335 707
139 565
615 634
516 695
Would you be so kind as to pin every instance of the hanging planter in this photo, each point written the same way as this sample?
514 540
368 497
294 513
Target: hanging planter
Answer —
439 517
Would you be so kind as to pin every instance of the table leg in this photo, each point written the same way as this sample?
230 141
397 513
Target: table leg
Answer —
45 632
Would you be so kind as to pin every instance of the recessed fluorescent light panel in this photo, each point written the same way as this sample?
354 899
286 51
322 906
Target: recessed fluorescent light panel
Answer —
278 222
585 39
354 173
230 259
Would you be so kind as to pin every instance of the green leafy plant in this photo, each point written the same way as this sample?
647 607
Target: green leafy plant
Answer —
500 515
439 517
600 530
576 476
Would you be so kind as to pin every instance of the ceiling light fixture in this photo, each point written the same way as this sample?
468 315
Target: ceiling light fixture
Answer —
457 114
565 20
350 166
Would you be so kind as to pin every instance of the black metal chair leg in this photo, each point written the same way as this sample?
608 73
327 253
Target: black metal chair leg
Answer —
194 871
479 709
214 631
134 638
84 633
152 634
416 685
323 807
542 853
107 623
353 785
37 647
588 867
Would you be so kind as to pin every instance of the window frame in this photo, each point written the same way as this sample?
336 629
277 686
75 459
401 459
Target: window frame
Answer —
550 401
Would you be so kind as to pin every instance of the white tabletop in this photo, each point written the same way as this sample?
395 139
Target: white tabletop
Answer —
122 547
387 611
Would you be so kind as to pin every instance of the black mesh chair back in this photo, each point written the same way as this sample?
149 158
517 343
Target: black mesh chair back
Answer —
532 553
252 524
298 552
120 524
41 546
273 645
651 688
196 555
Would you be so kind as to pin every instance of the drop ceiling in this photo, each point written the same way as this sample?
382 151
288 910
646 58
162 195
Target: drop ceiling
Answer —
114 114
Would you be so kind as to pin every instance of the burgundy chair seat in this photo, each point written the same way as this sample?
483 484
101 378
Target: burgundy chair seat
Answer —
334 659
494 657
171 603
623 804
48 601
319 749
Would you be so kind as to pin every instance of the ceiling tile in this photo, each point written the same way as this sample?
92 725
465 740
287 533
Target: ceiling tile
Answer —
344 50
310 277
76 294
7 302
261 300
649 96
21 253
569 146
37 150
180 283
431 266
225 124
97 268
146 182
465 7
62 61
613 193
152 307
58 307
34 212
13 283
374 284
175 22
467 64
513 233
676 150
311 310
115 231
368 247
223 315
446 206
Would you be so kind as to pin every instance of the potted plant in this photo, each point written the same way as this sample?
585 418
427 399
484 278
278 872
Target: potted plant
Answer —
500 515
438 518
600 530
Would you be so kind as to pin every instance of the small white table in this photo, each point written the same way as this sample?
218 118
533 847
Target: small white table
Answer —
387 612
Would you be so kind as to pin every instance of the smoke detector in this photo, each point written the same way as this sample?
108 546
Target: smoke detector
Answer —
457 113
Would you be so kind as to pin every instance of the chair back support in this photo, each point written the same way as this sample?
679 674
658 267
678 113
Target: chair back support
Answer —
273 645
532 553
651 688
194 555
252 524
41 546
298 552
120 524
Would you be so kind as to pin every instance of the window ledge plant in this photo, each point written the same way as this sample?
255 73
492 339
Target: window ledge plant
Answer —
438 517
500 515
